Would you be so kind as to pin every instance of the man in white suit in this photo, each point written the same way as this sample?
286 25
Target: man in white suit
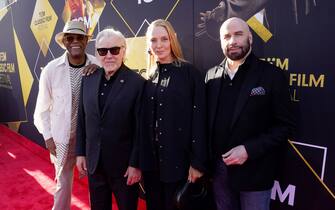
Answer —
56 109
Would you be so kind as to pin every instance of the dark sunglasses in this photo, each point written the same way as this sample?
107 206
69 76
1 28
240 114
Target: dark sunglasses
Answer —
112 50
71 38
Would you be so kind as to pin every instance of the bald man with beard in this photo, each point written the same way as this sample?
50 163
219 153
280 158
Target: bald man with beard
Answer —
250 121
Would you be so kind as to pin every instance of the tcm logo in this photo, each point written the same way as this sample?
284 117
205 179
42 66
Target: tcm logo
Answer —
87 21
145 1
289 193
281 63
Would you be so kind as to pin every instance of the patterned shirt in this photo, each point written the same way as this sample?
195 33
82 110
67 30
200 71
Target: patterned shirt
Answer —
75 80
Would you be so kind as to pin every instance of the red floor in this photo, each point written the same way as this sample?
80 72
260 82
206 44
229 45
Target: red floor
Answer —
26 176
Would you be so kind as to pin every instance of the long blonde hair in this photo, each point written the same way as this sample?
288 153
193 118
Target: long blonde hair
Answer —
176 51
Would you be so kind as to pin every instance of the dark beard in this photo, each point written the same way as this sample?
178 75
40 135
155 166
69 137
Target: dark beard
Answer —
238 56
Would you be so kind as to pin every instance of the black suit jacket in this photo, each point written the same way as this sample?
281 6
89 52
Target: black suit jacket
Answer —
262 121
111 135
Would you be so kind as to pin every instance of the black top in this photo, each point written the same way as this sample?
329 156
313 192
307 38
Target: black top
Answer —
160 83
174 122
105 88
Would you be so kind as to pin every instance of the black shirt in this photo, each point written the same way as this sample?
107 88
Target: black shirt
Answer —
174 120
105 88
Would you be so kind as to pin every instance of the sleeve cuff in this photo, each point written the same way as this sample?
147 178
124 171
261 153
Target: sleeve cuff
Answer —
47 135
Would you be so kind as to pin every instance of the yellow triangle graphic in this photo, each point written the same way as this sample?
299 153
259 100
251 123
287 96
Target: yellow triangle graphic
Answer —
14 126
259 29
3 12
26 77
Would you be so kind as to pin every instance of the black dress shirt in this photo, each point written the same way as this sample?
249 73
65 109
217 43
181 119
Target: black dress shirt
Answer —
105 88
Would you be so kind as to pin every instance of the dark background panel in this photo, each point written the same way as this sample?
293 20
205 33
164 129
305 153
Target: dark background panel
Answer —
307 44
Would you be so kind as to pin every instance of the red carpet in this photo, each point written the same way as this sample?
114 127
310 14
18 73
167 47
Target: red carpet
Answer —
27 176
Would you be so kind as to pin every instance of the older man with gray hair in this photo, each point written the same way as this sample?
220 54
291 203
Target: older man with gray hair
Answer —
108 126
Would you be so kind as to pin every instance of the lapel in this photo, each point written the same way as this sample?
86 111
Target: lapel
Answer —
252 76
96 87
214 86
119 83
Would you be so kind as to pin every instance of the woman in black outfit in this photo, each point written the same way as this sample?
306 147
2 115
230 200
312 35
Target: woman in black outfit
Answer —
173 137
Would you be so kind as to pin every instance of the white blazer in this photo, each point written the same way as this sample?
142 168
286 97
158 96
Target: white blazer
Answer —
52 116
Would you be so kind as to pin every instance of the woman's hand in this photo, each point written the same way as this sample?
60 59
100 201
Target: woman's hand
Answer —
194 174
134 175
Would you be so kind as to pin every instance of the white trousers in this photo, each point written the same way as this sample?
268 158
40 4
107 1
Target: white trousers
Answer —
64 181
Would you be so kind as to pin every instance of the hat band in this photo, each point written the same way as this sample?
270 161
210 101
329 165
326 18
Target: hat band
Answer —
71 29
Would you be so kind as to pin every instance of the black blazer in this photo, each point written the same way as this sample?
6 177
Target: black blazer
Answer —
262 121
181 109
111 135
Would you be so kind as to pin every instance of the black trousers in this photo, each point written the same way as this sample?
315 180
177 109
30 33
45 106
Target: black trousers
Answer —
160 195
101 187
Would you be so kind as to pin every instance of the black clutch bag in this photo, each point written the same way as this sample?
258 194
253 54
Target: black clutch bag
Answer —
193 196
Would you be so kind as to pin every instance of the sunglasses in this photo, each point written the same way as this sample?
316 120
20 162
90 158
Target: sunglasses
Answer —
71 38
112 50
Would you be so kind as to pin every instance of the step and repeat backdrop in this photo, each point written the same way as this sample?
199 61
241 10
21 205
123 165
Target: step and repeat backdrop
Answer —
295 35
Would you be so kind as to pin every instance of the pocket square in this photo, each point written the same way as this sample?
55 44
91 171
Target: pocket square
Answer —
258 91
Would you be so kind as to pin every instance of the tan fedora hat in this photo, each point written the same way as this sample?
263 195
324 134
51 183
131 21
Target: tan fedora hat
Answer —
71 27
